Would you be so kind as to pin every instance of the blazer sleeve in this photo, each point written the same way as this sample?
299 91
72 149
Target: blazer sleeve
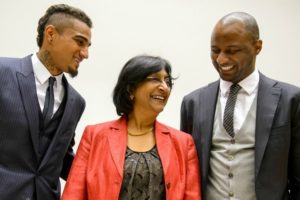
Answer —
193 187
185 122
68 160
69 157
75 187
294 173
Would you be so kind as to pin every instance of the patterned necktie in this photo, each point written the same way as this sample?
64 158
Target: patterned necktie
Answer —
49 101
229 109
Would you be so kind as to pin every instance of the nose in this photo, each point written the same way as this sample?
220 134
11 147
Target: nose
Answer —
84 52
221 58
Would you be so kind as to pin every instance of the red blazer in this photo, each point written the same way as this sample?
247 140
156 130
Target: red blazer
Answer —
97 171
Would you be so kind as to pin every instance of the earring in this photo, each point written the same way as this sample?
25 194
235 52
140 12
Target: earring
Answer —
131 96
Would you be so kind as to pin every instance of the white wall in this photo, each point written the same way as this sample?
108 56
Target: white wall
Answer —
178 30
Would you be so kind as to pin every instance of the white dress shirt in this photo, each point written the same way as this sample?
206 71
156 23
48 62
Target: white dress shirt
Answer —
245 98
42 75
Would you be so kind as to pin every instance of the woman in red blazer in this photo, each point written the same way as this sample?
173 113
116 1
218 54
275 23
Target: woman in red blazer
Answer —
136 157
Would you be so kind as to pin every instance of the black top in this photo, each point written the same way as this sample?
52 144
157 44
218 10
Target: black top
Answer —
143 176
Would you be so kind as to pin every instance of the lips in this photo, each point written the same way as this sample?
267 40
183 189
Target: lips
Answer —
77 61
159 98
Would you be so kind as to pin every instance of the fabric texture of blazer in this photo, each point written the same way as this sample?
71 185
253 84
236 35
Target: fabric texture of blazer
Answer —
277 136
97 171
23 175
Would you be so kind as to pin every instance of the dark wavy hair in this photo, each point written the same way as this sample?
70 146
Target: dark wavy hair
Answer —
60 16
134 72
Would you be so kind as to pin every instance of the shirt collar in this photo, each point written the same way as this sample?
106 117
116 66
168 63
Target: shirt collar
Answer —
41 73
248 84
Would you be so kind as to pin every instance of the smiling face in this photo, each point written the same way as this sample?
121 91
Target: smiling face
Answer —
152 94
67 48
233 51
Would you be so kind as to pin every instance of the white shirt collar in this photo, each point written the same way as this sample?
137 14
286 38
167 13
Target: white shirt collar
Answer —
41 73
248 84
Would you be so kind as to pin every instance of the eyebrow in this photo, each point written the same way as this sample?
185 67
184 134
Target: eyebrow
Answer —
83 38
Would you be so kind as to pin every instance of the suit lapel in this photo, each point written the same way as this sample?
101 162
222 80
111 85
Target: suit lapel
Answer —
118 142
207 114
27 86
164 147
267 101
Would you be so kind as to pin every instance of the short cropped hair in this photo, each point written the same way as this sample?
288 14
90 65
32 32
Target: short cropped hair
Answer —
132 74
60 15
248 20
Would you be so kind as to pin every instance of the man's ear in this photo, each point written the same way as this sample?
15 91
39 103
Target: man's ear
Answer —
258 46
49 33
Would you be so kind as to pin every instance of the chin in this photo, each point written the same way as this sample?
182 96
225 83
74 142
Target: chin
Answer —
159 110
73 72
226 78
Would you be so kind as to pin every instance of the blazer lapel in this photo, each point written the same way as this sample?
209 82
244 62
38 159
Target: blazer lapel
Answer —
69 106
117 140
27 86
207 113
267 101
164 147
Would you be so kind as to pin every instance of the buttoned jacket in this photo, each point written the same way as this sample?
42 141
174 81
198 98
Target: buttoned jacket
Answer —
24 174
277 135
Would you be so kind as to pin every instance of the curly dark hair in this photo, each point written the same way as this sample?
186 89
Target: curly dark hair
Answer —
132 74
60 16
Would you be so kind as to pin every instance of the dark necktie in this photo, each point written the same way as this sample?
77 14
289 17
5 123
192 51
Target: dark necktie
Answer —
49 101
229 109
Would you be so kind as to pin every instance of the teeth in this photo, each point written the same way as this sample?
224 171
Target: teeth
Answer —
226 67
159 97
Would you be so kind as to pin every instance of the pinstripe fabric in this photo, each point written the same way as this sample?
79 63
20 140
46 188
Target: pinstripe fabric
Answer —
23 174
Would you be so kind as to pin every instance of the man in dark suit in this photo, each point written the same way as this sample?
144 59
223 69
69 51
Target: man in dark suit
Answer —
35 142
248 140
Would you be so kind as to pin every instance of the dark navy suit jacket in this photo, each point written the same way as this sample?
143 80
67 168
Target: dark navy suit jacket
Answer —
277 136
23 175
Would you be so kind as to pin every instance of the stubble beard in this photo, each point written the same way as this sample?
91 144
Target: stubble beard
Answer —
72 71
45 58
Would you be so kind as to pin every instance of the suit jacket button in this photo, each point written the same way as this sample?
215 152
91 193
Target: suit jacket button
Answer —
230 157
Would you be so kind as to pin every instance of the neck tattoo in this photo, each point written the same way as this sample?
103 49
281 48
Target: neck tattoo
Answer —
45 58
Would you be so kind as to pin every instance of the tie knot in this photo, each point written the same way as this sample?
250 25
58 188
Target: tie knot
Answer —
51 81
234 88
